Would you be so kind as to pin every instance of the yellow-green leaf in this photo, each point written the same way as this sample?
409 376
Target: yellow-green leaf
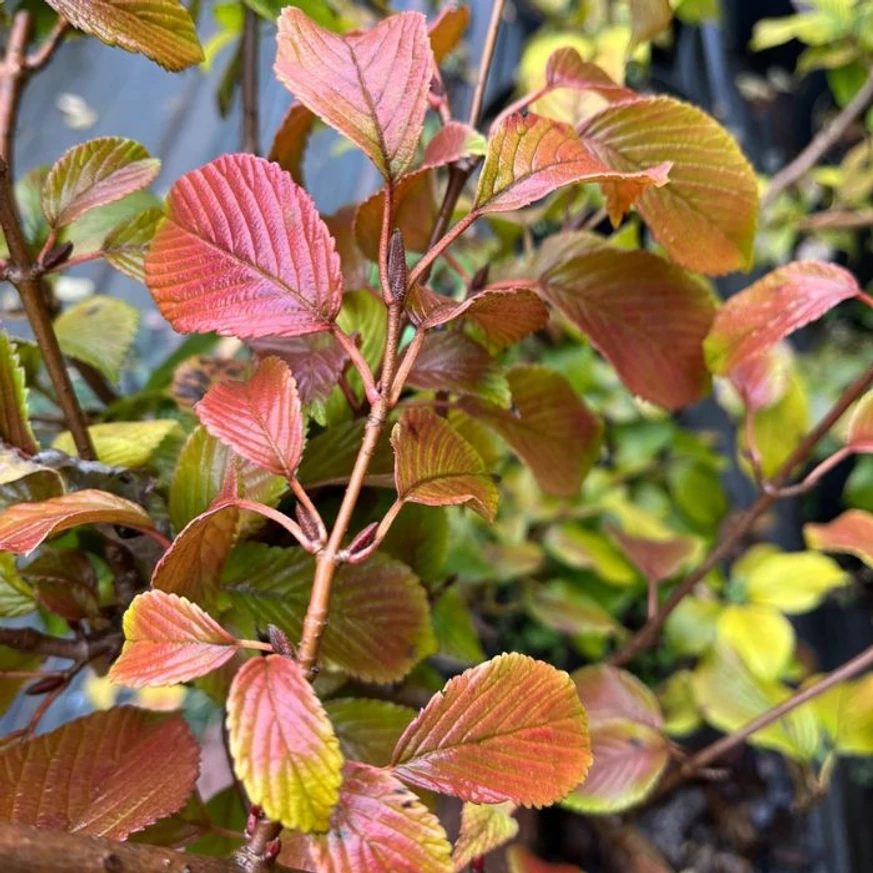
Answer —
484 828
16 596
122 443
761 636
795 582
14 424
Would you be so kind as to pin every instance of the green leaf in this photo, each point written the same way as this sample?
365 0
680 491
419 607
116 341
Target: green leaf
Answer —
436 466
14 424
795 582
676 697
99 331
760 635
162 30
691 627
16 596
846 712
122 443
582 549
560 605
93 174
455 632
368 730
126 245
419 538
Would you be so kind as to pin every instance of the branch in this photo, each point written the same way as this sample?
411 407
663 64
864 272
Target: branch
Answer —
250 57
821 144
28 850
485 63
39 58
648 634
720 747
32 642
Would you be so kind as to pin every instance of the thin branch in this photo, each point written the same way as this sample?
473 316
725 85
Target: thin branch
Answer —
350 347
422 268
32 642
648 634
485 63
821 144
836 219
28 850
281 519
39 58
251 140
719 748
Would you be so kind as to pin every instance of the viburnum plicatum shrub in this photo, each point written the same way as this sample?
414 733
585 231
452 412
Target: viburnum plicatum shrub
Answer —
280 554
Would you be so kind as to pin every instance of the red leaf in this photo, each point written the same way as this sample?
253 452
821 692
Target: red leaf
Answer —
291 139
566 69
762 380
447 30
378 826
504 315
192 565
64 583
609 694
645 315
372 87
108 775
530 156
316 360
283 746
860 437
510 729
243 252
356 269
452 142
25 525
707 216
656 559
850 533
168 640
522 860
260 419
786 299
548 427
436 466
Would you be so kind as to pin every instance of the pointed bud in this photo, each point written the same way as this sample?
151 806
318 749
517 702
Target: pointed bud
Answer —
279 641
362 541
46 685
396 267
57 255
307 523
480 278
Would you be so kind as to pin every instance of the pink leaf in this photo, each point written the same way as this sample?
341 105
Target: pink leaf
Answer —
109 774
372 87
243 252
530 156
566 69
261 419
656 559
451 143
760 316
861 425
168 639
24 526
510 729
283 746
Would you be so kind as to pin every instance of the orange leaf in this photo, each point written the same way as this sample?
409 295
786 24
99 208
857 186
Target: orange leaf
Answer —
522 860
25 525
786 299
283 746
850 533
510 729
436 466
244 252
168 640
484 828
860 437
378 826
447 30
372 87
289 143
260 419
566 69
109 774
655 559
530 156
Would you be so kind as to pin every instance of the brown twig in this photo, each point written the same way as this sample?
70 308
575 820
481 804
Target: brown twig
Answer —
485 64
41 56
648 634
821 144
251 139
28 850
836 219
22 270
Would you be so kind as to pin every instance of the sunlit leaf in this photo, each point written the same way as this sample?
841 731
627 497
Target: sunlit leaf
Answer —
111 774
566 69
850 533
16 596
260 419
453 141
14 424
548 427
795 582
484 828
530 156
99 331
371 86
243 252
649 18
126 245
162 30
706 217
676 696
648 317
627 742
378 826
283 746
368 730
510 729
447 30
24 526
760 635
846 712
691 628
730 696
436 466
763 380
93 174
168 639
860 436
774 307
25 481
379 627
122 443
291 139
